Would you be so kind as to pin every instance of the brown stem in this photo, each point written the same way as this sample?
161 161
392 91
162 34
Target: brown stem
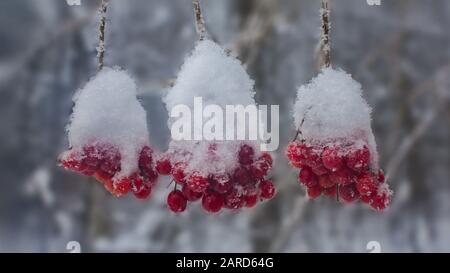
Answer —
325 35
101 34
199 21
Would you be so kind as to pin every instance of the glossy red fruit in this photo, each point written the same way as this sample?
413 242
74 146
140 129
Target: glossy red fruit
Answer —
331 192
267 189
326 182
314 191
296 153
332 159
348 193
251 200
242 176
307 177
197 182
366 198
163 166
259 169
178 172
140 189
110 165
221 183
212 202
358 159
366 184
234 200
176 201
381 200
343 176
246 154
71 161
267 158
191 195
320 170
91 160
122 187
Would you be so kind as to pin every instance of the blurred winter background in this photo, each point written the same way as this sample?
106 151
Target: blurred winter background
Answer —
399 51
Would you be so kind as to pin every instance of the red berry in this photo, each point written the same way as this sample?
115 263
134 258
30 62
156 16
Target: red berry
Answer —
366 198
267 158
259 169
348 193
381 177
331 191
358 159
191 195
242 176
342 176
176 201
320 170
267 189
91 160
197 182
71 160
366 184
296 153
234 200
250 200
314 191
108 184
163 166
140 189
246 154
178 172
110 165
331 158
326 182
382 200
313 158
221 183
212 202
307 177
122 186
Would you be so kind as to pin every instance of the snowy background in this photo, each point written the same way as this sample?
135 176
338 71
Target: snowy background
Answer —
399 52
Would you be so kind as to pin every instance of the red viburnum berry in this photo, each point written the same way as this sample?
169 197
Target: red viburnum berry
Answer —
110 165
176 201
358 159
212 202
326 182
221 183
163 166
297 153
331 158
197 182
242 176
314 191
191 195
381 200
366 184
234 200
250 200
259 169
91 160
307 177
246 154
122 187
267 158
343 176
178 173
140 188
320 170
348 193
267 189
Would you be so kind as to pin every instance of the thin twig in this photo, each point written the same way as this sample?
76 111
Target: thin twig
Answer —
325 46
199 22
101 34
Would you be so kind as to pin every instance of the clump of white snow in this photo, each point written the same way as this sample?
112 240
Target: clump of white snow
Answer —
107 111
331 109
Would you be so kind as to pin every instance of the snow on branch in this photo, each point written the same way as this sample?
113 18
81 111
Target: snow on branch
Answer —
325 47
101 34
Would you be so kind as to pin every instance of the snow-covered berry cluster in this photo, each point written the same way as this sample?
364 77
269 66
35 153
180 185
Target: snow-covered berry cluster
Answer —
203 175
339 170
335 148
103 161
108 135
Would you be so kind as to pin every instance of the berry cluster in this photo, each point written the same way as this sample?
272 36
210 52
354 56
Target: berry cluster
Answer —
241 187
103 161
342 171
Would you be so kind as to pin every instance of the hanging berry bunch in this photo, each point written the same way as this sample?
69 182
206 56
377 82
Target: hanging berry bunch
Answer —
334 147
108 134
217 173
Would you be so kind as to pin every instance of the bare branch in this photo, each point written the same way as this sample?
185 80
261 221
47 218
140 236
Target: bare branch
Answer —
199 22
325 47
101 34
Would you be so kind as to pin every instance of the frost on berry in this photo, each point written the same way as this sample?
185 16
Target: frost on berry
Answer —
267 189
108 134
335 148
